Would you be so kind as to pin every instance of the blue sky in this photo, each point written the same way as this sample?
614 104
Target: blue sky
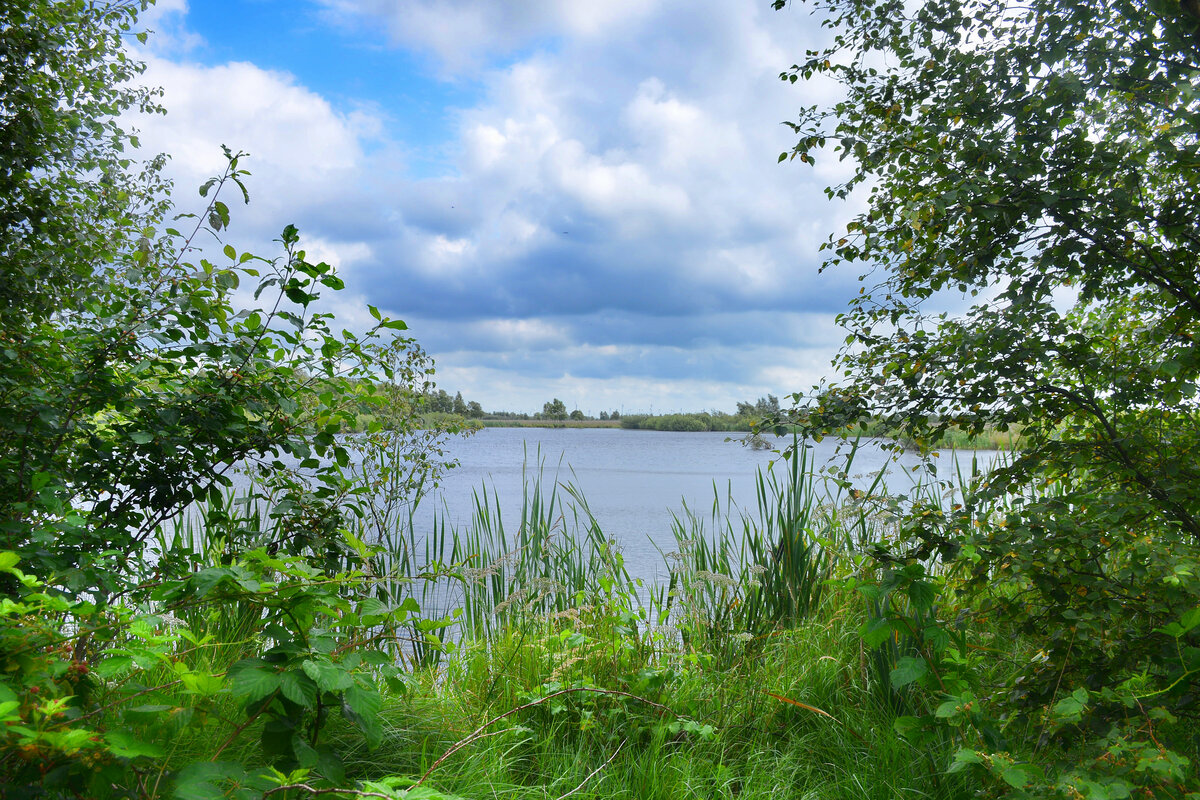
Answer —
562 198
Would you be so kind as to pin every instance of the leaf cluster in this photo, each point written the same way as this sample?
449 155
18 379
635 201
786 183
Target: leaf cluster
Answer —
1027 260
143 360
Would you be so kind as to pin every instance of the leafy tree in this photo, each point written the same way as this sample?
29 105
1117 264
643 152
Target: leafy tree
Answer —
1036 166
577 414
474 409
555 409
66 200
763 407
460 405
439 401
133 379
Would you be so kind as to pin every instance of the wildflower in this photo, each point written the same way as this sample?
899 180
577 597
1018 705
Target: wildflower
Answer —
716 579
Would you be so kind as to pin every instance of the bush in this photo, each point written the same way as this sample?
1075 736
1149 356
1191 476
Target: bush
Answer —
132 382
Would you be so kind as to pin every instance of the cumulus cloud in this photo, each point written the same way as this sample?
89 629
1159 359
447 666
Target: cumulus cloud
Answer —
611 208
299 145
465 33
166 20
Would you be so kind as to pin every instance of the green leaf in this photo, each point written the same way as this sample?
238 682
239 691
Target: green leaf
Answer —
908 727
964 758
1070 708
948 708
299 296
299 688
922 594
202 683
328 676
125 745
875 632
1014 776
6 709
907 670
306 756
202 780
253 679
330 766
363 707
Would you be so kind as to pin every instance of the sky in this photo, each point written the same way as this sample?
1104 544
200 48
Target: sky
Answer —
561 198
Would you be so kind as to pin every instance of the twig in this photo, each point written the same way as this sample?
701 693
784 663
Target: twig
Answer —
238 731
592 774
816 710
1054 695
478 732
315 791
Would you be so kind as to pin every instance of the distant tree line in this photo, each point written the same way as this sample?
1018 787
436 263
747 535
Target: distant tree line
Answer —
747 414
440 401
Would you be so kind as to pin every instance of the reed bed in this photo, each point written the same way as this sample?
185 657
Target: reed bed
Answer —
742 675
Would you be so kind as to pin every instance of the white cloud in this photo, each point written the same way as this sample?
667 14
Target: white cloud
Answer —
679 136
614 187
464 33
515 391
342 254
522 333
623 160
166 20
290 131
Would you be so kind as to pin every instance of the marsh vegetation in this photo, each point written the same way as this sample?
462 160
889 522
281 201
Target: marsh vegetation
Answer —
1031 630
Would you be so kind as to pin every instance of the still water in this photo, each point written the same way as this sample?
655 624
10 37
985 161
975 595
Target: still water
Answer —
634 481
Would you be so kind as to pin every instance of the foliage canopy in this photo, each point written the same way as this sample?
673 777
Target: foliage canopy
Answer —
142 360
1029 258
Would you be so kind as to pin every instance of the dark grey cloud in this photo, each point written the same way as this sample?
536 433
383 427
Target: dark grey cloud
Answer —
611 210
625 332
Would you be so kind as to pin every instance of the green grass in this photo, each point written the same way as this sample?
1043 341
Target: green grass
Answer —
756 746
743 677
539 669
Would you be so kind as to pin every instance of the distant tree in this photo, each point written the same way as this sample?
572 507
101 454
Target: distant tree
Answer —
440 401
577 414
603 415
762 407
615 415
474 410
555 409
460 405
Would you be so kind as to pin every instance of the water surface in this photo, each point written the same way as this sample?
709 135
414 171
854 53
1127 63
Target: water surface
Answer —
633 480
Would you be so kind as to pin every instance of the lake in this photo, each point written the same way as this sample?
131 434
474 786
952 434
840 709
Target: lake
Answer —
633 480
